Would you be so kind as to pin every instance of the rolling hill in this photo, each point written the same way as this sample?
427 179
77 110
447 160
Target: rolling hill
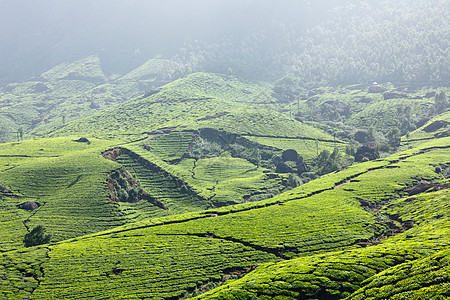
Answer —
209 187
383 223
72 91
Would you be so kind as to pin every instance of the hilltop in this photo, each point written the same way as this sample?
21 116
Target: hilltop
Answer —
72 91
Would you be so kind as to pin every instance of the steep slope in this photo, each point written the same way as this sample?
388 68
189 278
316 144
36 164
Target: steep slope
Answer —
61 185
334 254
88 69
402 267
196 101
72 91
171 171
156 69
377 106
434 128
177 185
65 93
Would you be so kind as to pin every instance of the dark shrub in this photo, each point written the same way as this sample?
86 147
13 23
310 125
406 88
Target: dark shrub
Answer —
123 183
36 237
133 194
290 155
367 152
123 196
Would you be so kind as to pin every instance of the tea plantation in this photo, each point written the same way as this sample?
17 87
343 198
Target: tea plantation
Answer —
197 101
288 246
72 91
211 187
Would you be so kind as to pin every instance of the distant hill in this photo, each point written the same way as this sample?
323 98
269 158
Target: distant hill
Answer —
195 101
72 91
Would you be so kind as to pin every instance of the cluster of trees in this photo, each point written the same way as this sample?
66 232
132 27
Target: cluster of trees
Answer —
125 187
401 41
36 237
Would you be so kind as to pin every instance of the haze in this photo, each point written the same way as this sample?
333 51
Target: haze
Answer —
255 39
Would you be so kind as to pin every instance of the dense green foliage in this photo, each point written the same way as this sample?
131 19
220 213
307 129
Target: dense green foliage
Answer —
350 252
323 41
346 43
36 237
210 187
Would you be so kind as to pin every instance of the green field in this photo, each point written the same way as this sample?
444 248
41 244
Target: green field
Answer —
212 100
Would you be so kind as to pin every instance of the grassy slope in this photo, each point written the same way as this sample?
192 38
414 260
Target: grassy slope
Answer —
68 180
154 69
203 101
220 180
65 180
214 101
199 250
421 133
73 90
346 109
308 149
89 67
375 272
161 187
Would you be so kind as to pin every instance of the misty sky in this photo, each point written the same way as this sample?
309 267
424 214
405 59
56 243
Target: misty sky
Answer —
38 34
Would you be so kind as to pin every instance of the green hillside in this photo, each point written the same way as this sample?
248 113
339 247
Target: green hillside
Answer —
364 106
401 267
226 150
212 187
292 242
212 100
436 127
65 178
88 69
72 91
156 69
167 171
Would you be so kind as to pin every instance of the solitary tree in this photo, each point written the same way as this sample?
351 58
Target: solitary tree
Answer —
441 102
394 136
329 162
36 237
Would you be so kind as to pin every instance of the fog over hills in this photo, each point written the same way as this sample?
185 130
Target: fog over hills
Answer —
57 31
335 41
224 149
